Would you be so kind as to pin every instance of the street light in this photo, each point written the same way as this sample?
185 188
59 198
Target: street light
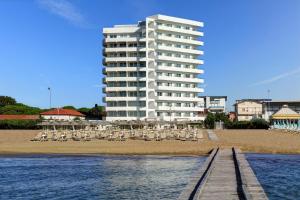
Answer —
49 89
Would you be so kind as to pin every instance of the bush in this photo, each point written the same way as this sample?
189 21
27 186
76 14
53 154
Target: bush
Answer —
19 124
253 124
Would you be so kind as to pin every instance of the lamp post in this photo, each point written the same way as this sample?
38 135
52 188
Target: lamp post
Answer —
49 89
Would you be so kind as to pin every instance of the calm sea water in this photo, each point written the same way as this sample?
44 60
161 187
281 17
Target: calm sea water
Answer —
278 174
95 177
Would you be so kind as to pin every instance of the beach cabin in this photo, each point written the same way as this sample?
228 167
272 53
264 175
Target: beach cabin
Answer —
287 119
62 114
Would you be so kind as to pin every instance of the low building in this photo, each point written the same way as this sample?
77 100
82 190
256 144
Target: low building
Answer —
62 114
214 104
19 117
232 116
286 118
273 106
248 109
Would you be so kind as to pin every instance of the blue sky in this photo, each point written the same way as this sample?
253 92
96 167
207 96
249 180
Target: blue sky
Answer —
250 46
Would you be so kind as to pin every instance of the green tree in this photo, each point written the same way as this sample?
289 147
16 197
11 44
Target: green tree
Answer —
69 107
19 109
6 100
209 121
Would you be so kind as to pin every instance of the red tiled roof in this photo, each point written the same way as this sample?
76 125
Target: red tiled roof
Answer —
62 111
19 117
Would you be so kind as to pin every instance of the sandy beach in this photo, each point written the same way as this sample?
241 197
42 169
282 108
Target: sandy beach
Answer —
255 141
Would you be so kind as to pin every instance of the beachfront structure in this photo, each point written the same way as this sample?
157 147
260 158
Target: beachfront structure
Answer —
62 114
151 69
286 118
214 104
273 106
248 109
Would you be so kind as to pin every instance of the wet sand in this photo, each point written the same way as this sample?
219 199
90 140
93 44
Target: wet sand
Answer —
254 141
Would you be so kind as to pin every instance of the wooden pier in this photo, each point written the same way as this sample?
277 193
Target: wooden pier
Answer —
226 174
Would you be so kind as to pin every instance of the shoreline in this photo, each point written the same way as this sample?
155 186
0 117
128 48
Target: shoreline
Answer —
17 142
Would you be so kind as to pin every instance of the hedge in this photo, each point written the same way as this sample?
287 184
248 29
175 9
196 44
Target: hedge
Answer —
19 124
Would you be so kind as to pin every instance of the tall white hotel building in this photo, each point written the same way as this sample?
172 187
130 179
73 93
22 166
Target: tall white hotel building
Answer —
152 69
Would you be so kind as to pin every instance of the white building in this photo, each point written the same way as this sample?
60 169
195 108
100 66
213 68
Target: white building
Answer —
214 104
62 114
152 69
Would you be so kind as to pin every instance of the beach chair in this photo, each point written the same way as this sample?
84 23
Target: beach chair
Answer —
44 137
112 136
62 137
121 136
86 137
37 137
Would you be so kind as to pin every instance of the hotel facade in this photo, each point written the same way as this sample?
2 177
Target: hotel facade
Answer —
152 70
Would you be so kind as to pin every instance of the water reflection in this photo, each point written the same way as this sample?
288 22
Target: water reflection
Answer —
95 177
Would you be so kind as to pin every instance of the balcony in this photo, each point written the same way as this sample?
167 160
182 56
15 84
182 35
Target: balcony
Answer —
172 109
104 80
128 69
125 78
126 49
115 89
179 30
180 40
183 50
124 39
181 89
104 71
177 99
179 69
124 59
180 79
182 60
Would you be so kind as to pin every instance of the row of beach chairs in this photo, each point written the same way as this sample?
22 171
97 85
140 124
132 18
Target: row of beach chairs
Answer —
119 135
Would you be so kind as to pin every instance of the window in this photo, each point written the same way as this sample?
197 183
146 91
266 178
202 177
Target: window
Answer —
169 64
178 26
178 75
159 103
123 64
159 94
178 84
178 114
169 54
178 36
159 53
178 65
178 46
169 35
169 25
178 94
169 45
169 74
158 114
178 104
169 94
159 83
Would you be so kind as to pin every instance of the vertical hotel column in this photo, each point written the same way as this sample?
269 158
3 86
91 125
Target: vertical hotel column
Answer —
150 55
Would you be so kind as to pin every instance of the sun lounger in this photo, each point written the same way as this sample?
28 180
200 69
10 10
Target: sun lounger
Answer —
37 137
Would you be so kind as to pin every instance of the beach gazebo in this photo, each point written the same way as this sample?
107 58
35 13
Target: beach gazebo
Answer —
286 118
